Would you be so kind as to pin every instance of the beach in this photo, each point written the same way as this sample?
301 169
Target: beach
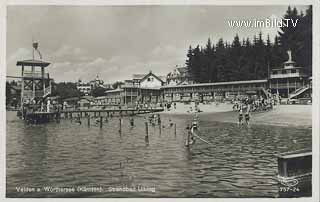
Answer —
281 115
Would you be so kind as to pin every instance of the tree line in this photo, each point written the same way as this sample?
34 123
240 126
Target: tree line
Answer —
248 59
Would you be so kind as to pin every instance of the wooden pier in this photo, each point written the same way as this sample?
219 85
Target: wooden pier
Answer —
45 117
107 112
42 117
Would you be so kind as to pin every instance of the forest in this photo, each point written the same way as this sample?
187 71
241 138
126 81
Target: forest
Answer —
251 59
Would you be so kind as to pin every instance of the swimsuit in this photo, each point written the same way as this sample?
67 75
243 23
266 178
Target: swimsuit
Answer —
240 117
247 117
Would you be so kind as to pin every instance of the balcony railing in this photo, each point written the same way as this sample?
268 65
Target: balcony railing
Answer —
290 85
38 93
287 75
37 75
29 93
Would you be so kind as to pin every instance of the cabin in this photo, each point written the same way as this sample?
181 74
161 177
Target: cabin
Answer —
295 173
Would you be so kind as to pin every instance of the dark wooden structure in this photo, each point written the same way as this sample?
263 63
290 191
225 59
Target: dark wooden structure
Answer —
107 112
295 173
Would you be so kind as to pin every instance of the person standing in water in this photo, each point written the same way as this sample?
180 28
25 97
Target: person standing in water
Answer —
240 116
190 138
247 116
131 122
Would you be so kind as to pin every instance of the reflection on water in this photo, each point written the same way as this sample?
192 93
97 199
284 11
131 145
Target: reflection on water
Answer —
240 163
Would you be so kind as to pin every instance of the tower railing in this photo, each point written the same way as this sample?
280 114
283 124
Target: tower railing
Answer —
38 75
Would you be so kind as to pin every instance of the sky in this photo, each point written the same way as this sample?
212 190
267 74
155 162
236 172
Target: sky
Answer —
115 42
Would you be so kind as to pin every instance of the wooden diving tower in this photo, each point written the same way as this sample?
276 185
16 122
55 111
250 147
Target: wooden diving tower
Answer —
35 86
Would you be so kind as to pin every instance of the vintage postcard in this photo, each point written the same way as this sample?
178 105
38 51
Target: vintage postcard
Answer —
155 100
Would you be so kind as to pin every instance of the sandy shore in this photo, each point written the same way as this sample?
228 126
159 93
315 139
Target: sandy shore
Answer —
282 115
205 108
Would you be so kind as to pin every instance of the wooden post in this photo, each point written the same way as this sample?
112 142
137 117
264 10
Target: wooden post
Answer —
146 138
88 120
120 125
175 129
33 83
58 117
147 131
100 121
22 89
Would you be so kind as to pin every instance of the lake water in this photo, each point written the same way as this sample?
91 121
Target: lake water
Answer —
239 162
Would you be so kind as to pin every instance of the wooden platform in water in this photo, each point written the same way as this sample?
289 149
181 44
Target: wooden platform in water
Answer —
135 111
41 117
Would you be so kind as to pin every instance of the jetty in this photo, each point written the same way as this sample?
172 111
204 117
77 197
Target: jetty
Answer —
69 113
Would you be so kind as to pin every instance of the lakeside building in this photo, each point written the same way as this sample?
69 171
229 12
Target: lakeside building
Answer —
87 88
142 88
290 82
96 83
214 91
179 76
84 88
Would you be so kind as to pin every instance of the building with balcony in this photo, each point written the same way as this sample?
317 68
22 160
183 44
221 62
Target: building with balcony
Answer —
179 76
142 88
97 83
289 79
84 88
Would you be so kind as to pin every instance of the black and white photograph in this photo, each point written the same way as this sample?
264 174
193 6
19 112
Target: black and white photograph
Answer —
160 101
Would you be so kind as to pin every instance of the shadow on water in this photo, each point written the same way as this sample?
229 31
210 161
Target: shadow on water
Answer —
239 163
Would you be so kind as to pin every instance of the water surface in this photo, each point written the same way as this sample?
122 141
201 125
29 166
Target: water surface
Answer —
239 163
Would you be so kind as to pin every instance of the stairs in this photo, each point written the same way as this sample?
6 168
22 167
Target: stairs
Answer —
47 91
298 91
265 92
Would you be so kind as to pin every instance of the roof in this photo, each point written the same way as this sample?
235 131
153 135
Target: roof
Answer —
149 74
163 78
295 154
182 82
285 68
182 69
138 76
115 90
38 63
54 97
87 97
219 83
72 99
150 88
